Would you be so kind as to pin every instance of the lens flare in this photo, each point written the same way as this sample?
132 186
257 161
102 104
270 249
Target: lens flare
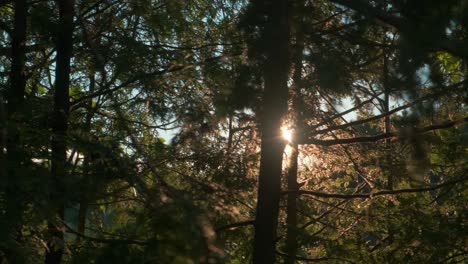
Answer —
287 134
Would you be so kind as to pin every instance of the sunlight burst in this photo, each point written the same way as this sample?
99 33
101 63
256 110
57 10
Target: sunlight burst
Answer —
287 134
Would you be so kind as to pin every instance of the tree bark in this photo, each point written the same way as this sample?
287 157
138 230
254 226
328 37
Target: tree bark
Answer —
292 184
388 154
274 108
387 121
15 97
59 129
291 210
83 209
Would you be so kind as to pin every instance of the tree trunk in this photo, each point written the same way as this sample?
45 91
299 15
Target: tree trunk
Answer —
387 124
82 216
388 155
274 108
59 129
291 210
15 97
86 163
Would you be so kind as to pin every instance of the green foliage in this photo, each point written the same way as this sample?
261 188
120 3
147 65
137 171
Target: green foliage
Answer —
163 140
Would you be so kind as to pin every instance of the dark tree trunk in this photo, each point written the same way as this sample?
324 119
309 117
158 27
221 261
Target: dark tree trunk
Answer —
387 121
15 97
82 216
273 111
388 155
87 161
292 184
291 210
59 129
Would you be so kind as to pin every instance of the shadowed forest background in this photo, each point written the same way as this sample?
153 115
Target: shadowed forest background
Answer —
233 131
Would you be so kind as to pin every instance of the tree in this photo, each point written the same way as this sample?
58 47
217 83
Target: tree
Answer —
151 132
61 110
276 37
11 173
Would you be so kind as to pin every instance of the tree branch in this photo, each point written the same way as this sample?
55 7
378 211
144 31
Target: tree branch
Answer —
338 115
135 78
235 225
310 259
4 2
375 194
453 46
397 109
368 139
107 240
366 9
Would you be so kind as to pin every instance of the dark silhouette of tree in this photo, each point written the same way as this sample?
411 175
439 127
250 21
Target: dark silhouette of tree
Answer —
60 119
275 37
14 153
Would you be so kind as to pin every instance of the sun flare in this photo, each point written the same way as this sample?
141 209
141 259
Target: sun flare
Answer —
287 134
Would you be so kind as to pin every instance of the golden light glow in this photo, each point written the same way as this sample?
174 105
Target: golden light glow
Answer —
287 134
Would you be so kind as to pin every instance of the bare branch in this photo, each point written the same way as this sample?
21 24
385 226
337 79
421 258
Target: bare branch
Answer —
369 139
137 77
397 109
235 225
107 240
375 194
341 114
